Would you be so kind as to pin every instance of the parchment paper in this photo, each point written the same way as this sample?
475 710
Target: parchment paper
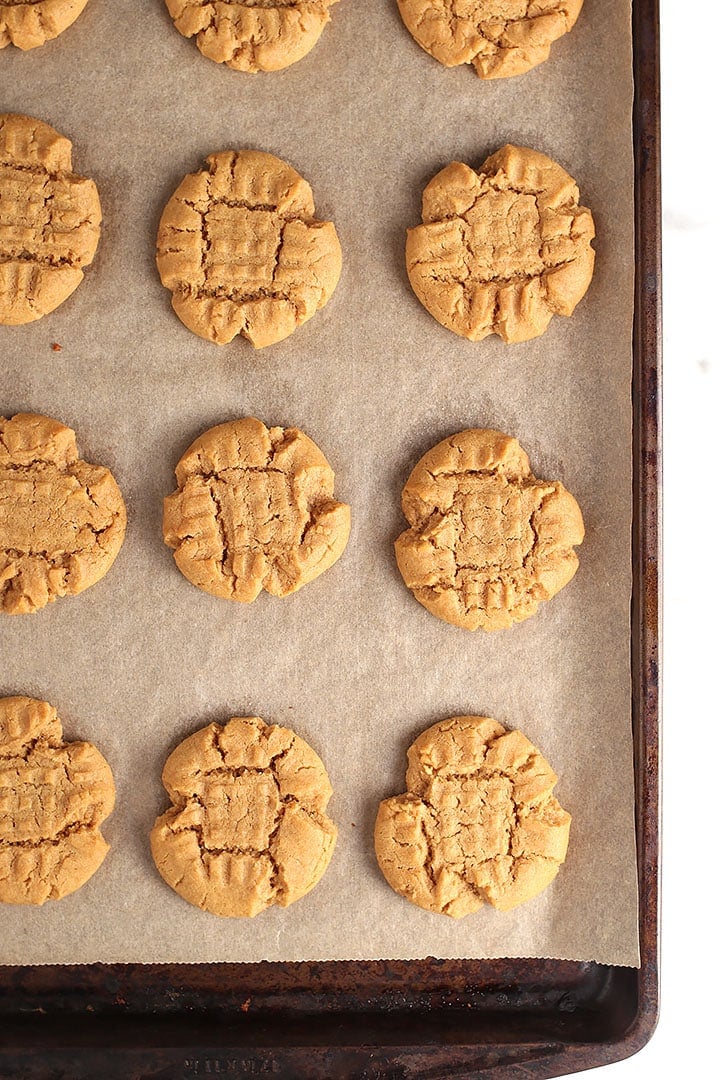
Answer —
352 662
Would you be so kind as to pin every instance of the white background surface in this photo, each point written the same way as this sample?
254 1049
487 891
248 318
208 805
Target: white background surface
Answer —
683 1043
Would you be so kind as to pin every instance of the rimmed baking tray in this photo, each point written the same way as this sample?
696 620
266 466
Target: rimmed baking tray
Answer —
401 1020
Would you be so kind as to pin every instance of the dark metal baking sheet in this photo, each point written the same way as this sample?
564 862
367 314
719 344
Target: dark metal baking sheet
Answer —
399 1020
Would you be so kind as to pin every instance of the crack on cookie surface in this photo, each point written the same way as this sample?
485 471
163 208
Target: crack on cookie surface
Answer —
49 220
247 828
478 822
503 249
54 797
62 520
252 35
240 250
30 23
500 38
485 545
254 510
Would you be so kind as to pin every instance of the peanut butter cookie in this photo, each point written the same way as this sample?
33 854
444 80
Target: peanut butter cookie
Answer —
242 253
54 796
478 823
62 521
247 827
29 23
498 37
487 541
503 249
254 510
49 220
252 35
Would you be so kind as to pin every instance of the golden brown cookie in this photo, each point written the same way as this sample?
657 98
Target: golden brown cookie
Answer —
478 822
62 521
247 827
252 35
29 23
54 796
254 510
49 220
498 37
242 253
487 540
503 249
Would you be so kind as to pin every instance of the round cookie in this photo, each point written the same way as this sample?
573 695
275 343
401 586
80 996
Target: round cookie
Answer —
254 510
49 220
503 249
240 250
54 796
498 37
62 520
29 23
487 540
247 828
478 822
252 35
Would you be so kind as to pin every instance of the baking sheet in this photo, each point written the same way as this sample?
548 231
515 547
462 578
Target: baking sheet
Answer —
351 662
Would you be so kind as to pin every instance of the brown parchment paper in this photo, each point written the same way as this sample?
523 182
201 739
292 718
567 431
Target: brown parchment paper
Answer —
352 662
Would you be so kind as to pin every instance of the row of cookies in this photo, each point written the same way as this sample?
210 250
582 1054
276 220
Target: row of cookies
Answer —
248 829
500 249
499 40
254 509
